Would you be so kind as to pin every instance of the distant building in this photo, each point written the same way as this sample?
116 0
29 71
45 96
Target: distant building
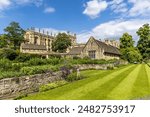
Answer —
97 49
40 43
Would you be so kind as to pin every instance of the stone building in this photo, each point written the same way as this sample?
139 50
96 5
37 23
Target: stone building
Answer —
40 43
76 50
97 49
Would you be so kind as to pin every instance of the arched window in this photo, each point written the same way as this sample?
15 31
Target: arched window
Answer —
45 41
35 40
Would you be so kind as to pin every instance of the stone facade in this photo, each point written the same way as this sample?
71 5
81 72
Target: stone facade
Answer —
97 49
40 43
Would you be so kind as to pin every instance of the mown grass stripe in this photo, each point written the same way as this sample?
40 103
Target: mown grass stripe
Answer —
79 92
92 76
102 91
124 89
148 74
141 85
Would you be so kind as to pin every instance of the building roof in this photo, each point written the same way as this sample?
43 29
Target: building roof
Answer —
108 48
40 34
75 51
33 47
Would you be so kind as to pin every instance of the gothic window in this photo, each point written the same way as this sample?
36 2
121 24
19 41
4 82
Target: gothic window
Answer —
48 42
27 37
92 54
35 40
45 41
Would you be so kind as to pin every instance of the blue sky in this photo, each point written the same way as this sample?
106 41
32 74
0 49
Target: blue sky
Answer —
99 18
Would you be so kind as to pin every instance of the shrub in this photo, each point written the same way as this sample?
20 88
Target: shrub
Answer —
61 83
23 57
18 66
76 57
38 69
72 77
55 68
65 70
36 61
48 87
39 61
55 56
110 67
9 54
90 61
53 61
52 85
9 74
5 64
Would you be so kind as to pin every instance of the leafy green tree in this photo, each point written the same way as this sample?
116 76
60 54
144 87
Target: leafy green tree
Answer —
61 43
133 55
15 34
126 41
144 41
3 41
127 49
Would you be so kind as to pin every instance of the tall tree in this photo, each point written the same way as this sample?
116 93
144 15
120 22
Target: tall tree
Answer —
127 49
3 41
61 43
144 41
15 34
126 41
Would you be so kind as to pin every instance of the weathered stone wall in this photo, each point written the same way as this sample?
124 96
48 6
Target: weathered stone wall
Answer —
11 87
95 66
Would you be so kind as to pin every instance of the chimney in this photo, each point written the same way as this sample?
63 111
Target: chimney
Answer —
107 42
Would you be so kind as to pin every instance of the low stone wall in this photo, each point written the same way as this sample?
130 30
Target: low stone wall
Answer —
12 87
95 66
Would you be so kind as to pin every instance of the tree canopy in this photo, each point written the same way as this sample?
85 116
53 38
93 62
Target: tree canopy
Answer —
3 41
126 41
127 49
61 43
144 41
14 34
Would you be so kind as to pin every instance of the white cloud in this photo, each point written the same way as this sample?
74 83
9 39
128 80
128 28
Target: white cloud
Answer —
4 4
118 6
126 8
94 7
49 10
113 29
7 4
84 36
24 2
140 7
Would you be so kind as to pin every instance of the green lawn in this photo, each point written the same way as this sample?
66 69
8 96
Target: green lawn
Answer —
128 82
